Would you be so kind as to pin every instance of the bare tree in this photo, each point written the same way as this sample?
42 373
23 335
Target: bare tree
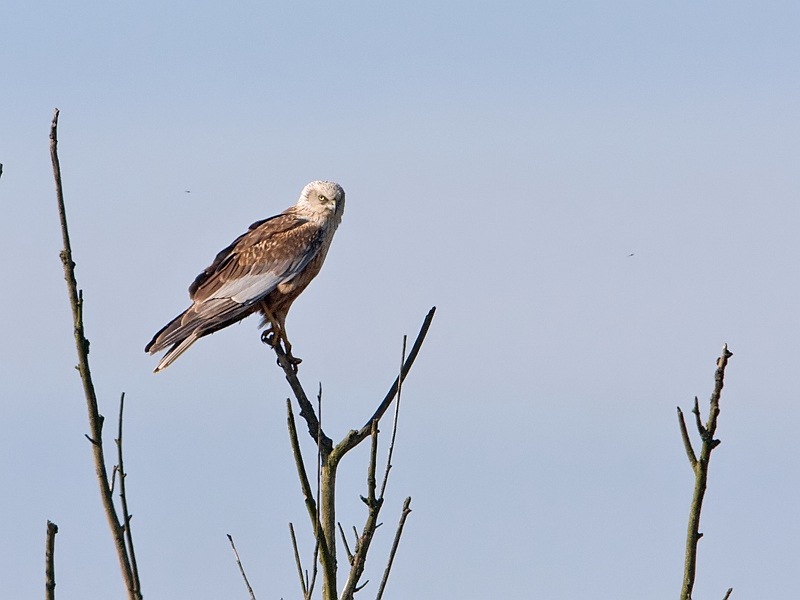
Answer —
322 507
700 468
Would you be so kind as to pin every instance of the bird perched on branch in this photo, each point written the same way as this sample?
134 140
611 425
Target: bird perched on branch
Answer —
263 270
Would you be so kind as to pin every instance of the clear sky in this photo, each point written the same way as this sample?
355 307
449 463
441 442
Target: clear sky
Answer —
502 161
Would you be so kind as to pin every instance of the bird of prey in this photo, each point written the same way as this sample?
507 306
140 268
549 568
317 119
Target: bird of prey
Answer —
263 270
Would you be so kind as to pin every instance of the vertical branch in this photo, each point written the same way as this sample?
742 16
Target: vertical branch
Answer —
49 562
327 536
319 462
310 584
394 422
126 516
373 463
365 539
395 544
82 345
700 467
328 562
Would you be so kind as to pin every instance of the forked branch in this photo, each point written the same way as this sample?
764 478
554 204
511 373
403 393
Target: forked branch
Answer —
322 512
700 468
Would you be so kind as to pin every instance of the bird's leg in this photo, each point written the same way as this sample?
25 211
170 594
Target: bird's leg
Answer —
270 336
293 360
277 334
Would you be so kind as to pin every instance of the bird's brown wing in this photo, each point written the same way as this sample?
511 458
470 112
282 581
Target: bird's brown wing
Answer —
272 252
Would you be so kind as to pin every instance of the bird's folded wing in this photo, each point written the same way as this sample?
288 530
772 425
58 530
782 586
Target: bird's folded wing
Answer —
270 253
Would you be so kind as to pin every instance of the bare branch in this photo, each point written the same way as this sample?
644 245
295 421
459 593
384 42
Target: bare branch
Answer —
241 568
395 544
373 460
356 437
323 510
319 461
49 562
362 547
728 594
700 429
365 539
82 345
394 422
346 546
310 585
126 516
693 534
306 408
687 443
297 562
311 505
331 559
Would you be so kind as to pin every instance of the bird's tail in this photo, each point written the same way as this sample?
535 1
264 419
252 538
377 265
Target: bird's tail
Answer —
180 333
192 324
176 351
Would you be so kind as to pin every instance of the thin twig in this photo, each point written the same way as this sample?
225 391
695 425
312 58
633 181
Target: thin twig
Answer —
318 522
113 474
346 545
319 460
354 438
696 410
311 505
728 594
394 422
313 571
49 562
707 432
360 555
82 345
123 495
297 562
687 443
373 463
395 544
241 568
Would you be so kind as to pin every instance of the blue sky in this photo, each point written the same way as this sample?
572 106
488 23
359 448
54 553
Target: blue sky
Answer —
501 161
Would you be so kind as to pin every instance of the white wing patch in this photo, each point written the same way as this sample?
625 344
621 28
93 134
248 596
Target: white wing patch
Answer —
250 288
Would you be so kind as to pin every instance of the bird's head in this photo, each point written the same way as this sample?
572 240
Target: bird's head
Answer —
325 199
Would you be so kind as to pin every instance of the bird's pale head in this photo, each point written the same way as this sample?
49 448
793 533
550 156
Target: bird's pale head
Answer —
324 199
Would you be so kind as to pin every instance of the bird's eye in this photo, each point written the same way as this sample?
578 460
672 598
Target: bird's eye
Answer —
322 198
